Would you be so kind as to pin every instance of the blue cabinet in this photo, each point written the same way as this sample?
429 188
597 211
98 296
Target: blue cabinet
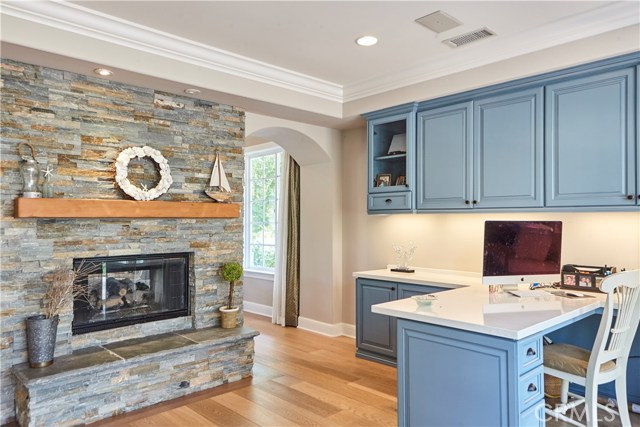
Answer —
508 150
444 152
565 140
450 377
482 154
390 153
590 137
376 333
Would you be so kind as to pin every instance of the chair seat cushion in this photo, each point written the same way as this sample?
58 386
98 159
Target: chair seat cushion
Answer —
571 359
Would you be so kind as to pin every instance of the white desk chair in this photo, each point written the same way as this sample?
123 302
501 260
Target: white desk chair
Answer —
607 361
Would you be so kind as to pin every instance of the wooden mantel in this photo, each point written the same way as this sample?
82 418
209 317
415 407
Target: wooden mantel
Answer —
105 208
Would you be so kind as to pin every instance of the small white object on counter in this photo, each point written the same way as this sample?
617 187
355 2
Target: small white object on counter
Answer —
424 300
467 305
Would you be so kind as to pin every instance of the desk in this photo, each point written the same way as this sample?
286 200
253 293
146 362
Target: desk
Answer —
472 358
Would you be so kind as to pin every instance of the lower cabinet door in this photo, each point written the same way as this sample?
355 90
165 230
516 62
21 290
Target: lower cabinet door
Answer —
375 333
449 377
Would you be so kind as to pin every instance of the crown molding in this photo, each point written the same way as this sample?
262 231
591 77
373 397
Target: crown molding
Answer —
607 18
85 22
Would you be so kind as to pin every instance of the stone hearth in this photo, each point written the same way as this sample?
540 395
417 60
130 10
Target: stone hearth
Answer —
99 382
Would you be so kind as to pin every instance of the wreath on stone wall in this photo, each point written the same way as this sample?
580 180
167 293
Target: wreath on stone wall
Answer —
122 164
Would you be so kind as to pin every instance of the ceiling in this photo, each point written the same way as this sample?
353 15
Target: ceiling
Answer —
293 59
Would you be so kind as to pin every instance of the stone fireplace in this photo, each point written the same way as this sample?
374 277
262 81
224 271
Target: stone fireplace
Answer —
130 289
78 124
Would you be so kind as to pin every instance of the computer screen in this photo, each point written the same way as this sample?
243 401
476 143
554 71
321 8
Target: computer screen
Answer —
521 252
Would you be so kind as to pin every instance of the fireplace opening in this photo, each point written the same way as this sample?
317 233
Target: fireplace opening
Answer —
124 290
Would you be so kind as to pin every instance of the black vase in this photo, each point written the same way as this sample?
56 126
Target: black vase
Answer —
41 340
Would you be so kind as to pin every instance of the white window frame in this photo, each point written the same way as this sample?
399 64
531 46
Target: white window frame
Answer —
249 153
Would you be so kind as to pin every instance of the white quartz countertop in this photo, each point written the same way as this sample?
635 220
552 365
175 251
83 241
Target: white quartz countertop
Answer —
469 306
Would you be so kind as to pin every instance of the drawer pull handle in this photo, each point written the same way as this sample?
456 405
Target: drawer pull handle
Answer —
466 202
532 387
531 352
393 289
388 201
629 197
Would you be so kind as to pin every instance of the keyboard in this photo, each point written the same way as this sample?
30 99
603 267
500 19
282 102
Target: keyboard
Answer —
530 293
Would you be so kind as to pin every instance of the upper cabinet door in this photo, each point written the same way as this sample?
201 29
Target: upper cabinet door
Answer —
390 143
590 141
508 150
444 151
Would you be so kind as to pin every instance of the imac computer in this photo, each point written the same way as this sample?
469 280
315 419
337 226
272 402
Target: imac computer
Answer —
518 252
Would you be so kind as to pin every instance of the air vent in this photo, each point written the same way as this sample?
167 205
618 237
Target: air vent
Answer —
438 21
469 37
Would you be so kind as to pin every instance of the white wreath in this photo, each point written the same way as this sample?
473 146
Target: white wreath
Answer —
122 163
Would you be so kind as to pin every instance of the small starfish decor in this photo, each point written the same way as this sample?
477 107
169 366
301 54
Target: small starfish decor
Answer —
48 172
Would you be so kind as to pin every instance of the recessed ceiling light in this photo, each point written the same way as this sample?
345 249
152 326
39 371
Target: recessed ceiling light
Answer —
103 72
366 41
191 91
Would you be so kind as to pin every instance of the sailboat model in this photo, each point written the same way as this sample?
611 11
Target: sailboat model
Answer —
219 189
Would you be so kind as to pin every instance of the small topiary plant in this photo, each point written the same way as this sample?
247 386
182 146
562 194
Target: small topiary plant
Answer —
231 272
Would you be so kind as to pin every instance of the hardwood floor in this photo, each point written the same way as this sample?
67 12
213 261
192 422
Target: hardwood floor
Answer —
300 379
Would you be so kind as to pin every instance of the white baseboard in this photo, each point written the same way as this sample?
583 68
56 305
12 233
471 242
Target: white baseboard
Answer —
260 309
328 329
349 330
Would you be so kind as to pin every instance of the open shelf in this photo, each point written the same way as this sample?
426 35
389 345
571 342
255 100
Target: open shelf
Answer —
392 156
105 208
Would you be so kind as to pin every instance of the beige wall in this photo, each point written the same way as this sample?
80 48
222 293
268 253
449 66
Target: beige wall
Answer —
340 238
317 150
454 241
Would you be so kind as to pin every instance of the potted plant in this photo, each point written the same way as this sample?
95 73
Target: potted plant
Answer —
231 272
62 289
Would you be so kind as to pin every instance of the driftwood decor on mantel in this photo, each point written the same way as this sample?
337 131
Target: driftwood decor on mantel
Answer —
105 208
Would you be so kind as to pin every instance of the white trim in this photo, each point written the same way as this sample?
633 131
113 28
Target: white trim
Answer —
262 149
78 20
349 330
260 275
82 21
327 329
259 309
610 17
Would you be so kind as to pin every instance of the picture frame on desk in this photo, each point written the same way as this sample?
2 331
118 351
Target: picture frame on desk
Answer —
584 278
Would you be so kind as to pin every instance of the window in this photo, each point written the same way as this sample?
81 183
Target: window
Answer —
263 170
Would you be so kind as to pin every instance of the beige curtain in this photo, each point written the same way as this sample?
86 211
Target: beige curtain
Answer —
292 299
286 290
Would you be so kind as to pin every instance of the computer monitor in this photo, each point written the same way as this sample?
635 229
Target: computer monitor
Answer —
521 252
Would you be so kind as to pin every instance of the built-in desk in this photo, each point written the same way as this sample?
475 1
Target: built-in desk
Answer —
474 358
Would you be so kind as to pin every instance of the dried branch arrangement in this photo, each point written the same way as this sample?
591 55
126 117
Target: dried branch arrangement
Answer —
64 287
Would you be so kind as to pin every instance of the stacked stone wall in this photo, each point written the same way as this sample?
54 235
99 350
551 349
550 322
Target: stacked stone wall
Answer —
78 124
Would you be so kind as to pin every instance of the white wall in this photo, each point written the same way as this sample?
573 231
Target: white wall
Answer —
318 152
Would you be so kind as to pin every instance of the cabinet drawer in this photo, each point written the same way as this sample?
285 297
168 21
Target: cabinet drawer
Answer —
383 202
529 354
531 388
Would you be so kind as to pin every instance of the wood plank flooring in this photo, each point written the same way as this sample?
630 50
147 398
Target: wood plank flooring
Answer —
300 379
